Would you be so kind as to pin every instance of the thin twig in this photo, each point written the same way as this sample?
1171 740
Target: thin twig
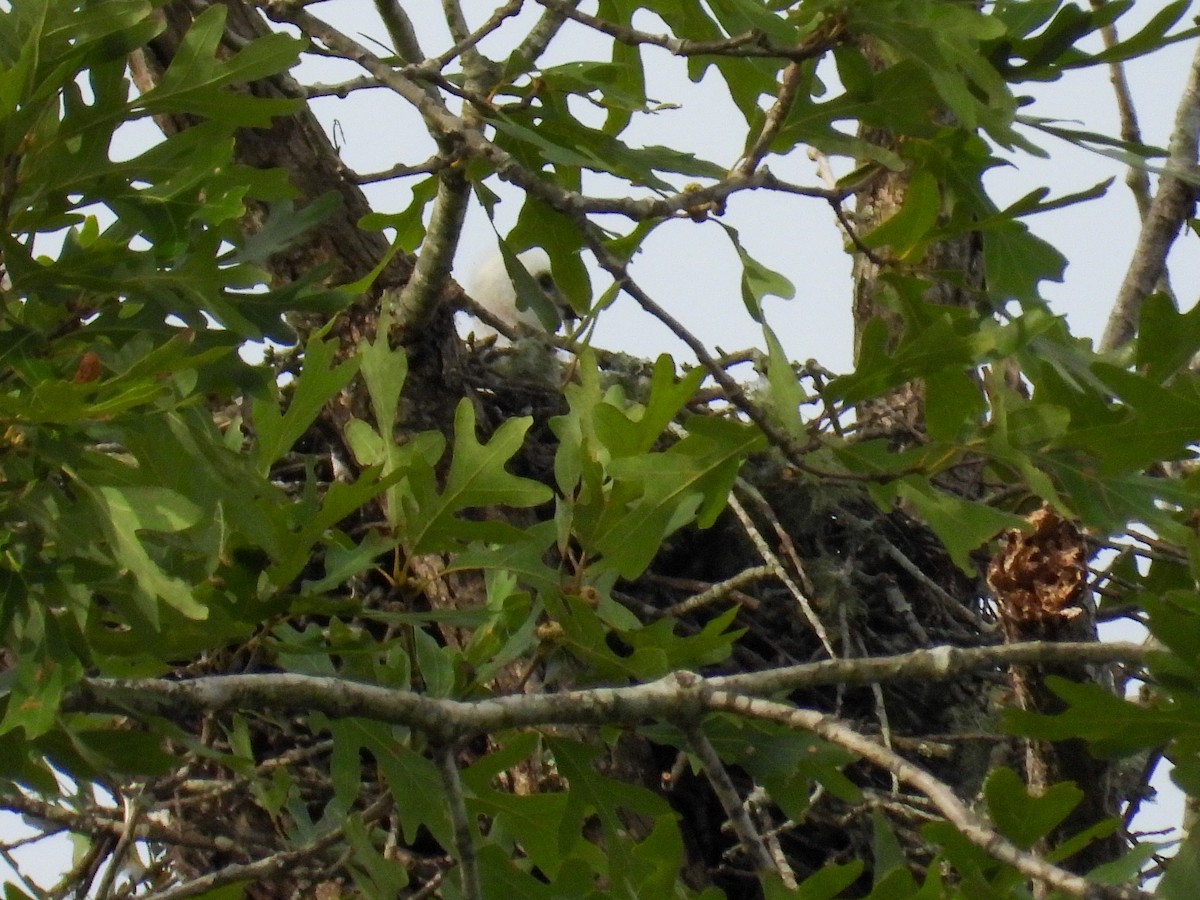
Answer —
443 124
267 867
749 43
1135 177
343 89
769 557
788 85
14 864
731 801
885 725
133 812
467 41
472 886
734 392
435 163
952 605
718 591
781 534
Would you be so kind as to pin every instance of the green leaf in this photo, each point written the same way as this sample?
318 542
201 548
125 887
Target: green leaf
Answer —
594 794
907 232
375 874
310 522
534 823
1167 339
758 282
121 514
413 780
1023 817
787 396
1017 261
194 80
1183 872
1153 36
477 478
828 882
656 494
636 430
435 664
1112 726
557 137
1033 203
954 405
1156 422
889 855
319 382
962 525
523 556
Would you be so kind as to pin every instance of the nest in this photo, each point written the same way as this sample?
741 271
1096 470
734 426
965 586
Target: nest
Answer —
877 581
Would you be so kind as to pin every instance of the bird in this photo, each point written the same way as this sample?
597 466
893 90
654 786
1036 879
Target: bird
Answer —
492 288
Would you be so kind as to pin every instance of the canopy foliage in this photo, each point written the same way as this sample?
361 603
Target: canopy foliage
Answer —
390 614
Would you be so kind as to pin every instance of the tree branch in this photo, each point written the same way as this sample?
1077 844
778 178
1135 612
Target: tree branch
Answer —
472 887
668 697
400 29
971 826
542 34
731 801
776 565
443 124
749 43
1173 204
1136 177
717 592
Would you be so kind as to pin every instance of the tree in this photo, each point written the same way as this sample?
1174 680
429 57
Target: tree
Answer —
390 614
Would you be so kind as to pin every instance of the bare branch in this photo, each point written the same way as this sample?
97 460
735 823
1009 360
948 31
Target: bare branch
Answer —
789 84
133 812
749 43
1135 177
472 887
266 867
542 34
444 719
443 124
435 163
776 566
420 294
731 801
1173 204
400 28
718 592
466 41
975 829
343 89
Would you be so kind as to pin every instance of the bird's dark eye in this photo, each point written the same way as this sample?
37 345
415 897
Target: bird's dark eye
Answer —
546 282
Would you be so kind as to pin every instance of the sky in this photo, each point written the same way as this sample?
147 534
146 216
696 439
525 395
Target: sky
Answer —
692 269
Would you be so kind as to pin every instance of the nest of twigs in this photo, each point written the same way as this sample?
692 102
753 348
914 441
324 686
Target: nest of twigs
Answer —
878 581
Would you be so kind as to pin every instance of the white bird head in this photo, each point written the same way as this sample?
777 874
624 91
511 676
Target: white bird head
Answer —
492 288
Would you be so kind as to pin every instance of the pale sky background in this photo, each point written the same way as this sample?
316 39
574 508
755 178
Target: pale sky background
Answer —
693 270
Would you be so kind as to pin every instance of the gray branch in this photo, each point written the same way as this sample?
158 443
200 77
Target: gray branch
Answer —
672 696
1173 204
970 825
